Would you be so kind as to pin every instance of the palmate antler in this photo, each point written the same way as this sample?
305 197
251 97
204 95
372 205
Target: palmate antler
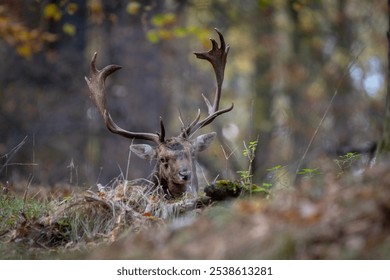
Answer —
217 57
97 93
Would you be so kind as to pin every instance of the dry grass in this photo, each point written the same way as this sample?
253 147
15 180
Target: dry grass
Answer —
324 217
341 218
92 217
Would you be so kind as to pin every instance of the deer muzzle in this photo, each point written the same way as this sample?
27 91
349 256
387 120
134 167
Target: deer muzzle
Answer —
185 175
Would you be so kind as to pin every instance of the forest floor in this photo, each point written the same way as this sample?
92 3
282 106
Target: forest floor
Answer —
329 215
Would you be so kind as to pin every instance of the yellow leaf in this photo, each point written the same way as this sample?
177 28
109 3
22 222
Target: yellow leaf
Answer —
170 19
165 34
69 29
71 8
51 11
24 50
152 36
180 32
22 36
133 8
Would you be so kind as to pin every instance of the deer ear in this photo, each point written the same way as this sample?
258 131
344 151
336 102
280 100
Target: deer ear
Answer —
143 151
202 142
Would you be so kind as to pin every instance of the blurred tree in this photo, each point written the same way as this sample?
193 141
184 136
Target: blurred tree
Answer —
384 144
287 59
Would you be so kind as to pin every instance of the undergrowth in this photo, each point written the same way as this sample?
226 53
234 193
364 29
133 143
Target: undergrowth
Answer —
15 210
36 228
88 218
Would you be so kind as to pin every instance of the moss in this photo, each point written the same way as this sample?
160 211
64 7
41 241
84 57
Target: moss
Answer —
225 189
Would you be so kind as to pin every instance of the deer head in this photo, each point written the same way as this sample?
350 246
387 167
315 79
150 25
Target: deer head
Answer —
176 156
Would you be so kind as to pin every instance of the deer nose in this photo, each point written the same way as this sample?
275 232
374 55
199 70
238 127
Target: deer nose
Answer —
185 175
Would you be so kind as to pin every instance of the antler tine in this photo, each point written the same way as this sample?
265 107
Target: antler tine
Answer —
208 120
217 56
162 129
186 130
96 84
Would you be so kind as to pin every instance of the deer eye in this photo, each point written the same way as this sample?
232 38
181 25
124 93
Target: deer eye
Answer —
164 162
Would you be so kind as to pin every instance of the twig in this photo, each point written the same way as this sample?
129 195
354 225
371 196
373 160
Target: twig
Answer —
128 161
201 169
31 177
8 156
227 157
100 173
326 112
33 156
71 167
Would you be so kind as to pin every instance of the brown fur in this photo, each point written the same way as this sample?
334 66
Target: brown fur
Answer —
175 166
175 162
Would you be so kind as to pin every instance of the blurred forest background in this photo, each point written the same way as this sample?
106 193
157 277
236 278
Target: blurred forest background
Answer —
287 59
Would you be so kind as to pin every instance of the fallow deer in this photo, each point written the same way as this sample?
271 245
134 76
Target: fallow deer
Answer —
175 157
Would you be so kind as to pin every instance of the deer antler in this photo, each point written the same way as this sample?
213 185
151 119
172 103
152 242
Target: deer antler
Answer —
96 87
217 57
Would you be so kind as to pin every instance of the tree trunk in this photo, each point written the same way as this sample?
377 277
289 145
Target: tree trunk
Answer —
384 144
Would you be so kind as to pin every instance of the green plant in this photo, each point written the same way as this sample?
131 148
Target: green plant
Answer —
247 175
309 172
344 162
15 210
264 189
275 168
